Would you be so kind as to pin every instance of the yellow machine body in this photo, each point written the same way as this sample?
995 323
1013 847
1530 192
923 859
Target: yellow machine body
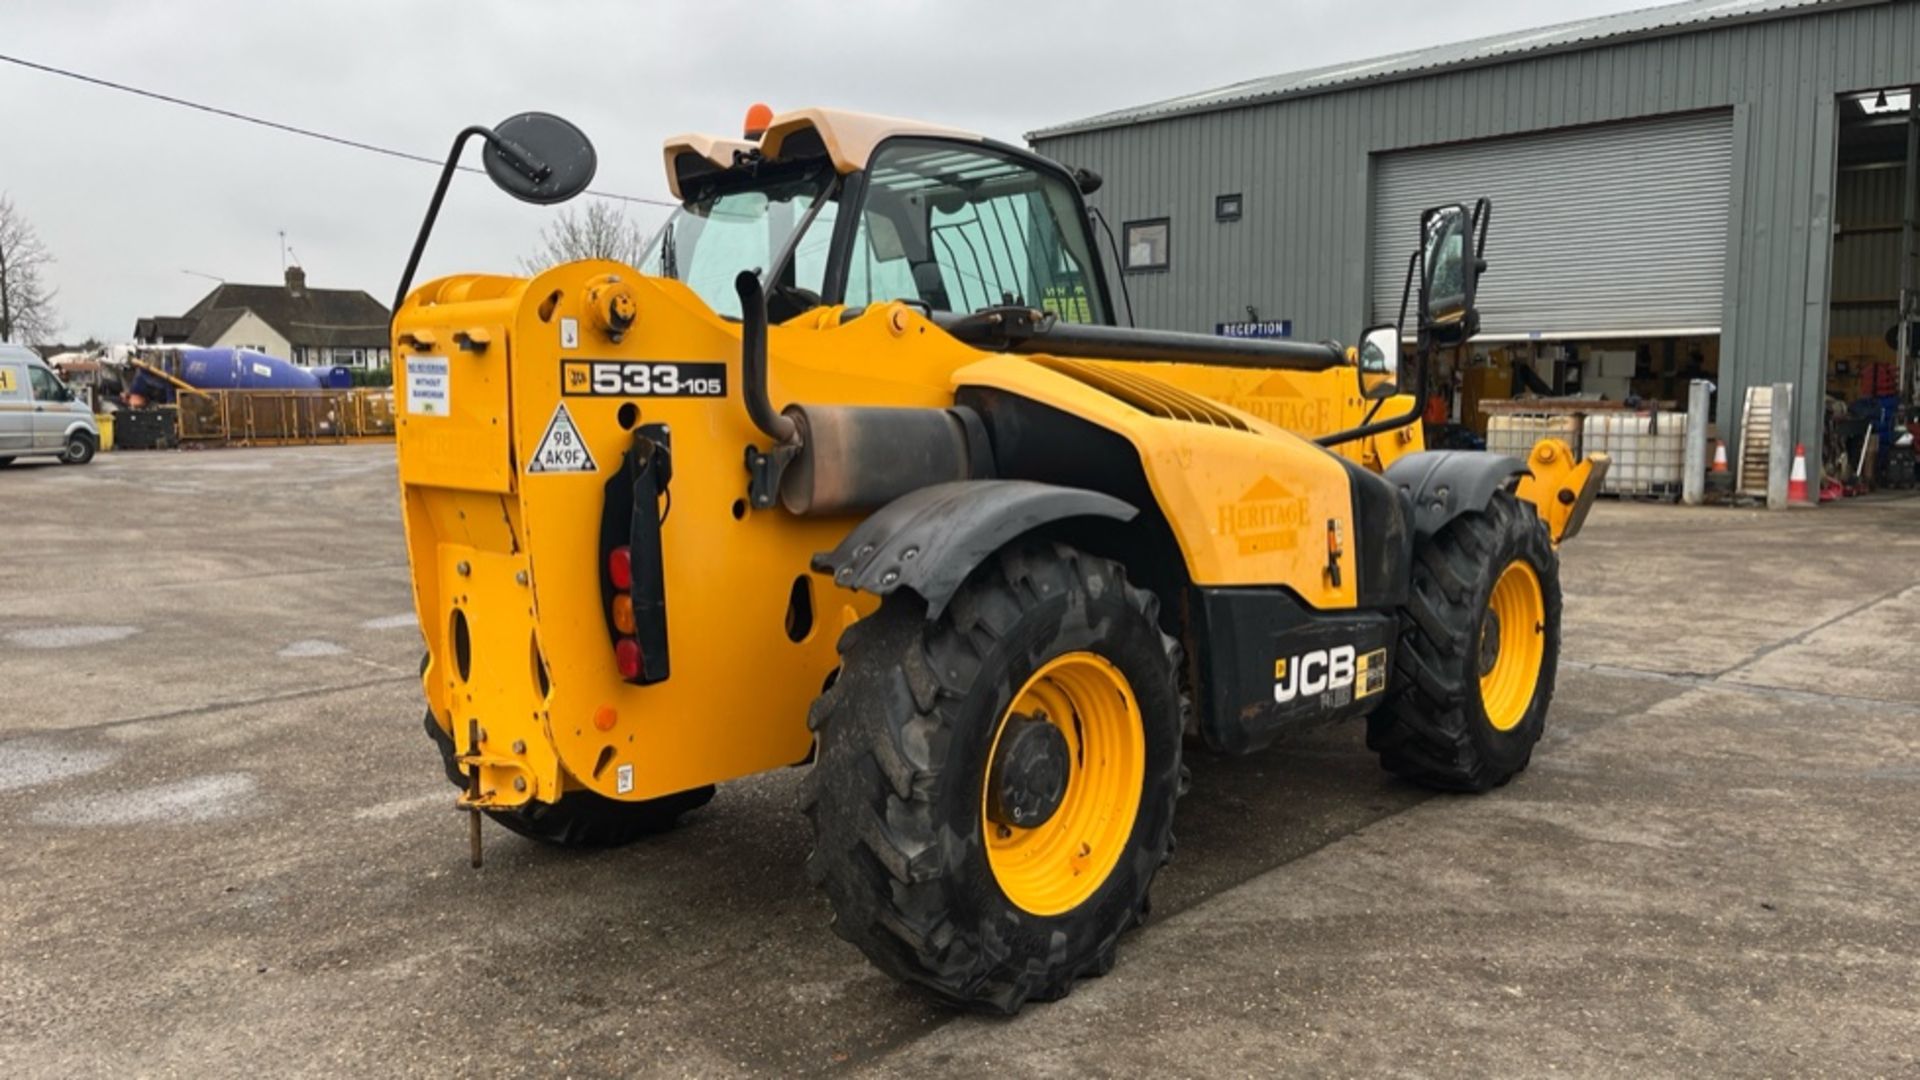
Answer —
507 561
505 463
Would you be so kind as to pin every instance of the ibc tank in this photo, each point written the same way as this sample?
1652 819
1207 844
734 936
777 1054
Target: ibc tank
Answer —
242 369
337 377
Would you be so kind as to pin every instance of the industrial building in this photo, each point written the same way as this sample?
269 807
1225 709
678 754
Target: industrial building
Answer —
1712 188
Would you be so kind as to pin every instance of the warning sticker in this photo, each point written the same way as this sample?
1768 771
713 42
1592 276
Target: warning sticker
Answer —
561 448
429 390
623 779
1370 675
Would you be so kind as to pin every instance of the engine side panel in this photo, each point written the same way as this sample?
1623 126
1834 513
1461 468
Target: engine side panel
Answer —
1257 506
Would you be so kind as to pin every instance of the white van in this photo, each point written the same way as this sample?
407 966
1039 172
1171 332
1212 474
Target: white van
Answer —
39 414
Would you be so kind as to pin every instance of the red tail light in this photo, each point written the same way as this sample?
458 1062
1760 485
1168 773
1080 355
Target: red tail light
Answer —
620 568
626 653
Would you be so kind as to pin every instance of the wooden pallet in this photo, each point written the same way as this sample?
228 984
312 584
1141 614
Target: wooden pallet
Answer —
1756 442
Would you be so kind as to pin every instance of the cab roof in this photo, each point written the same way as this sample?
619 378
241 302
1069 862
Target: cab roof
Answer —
846 138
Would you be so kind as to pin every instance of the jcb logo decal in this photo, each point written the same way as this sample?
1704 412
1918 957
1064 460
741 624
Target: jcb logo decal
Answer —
1313 673
643 378
1322 670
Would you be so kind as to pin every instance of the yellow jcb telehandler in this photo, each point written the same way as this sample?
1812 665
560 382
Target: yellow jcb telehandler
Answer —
856 472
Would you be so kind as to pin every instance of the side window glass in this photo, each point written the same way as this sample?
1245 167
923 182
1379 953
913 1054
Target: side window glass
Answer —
45 386
810 256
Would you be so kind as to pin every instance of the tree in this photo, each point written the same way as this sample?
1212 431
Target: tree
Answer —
26 303
601 231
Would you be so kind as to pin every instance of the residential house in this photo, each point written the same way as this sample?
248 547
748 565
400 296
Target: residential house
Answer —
309 327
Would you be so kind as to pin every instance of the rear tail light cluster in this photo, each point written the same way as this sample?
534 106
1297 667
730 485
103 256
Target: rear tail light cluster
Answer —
633 583
626 650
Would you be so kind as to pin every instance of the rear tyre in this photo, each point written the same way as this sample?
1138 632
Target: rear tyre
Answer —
994 789
581 819
79 450
1479 646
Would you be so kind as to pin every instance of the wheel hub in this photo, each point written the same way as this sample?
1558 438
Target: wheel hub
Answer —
1489 642
1027 780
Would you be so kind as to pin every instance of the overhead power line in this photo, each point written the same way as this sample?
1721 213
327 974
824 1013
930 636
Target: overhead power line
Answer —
276 125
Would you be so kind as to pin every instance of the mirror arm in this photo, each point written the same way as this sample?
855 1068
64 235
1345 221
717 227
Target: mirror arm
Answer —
512 153
1369 427
518 156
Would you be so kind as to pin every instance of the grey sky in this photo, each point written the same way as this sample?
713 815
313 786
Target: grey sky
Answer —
128 192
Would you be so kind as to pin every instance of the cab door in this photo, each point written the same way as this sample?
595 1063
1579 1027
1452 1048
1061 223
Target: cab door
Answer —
16 408
50 412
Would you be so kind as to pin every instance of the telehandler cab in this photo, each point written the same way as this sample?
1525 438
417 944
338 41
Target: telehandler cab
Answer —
856 472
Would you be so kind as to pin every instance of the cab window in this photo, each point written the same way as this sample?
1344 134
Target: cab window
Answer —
743 223
961 228
45 386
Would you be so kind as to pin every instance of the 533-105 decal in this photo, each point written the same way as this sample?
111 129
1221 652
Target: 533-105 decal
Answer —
642 378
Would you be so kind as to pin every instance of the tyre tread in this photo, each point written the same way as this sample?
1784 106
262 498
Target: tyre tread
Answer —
1425 731
880 873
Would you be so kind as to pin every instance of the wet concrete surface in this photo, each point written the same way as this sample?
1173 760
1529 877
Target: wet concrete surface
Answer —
228 848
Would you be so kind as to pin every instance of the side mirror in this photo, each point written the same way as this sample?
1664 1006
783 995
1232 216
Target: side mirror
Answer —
533 156
540 158
1380 360
1451 246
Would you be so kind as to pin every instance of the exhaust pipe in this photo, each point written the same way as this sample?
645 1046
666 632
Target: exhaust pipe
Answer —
753 360
839 459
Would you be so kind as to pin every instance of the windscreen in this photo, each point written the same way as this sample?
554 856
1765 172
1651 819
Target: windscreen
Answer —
742 226
961 228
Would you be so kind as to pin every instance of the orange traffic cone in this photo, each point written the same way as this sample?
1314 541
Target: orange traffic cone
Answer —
1797 479
1719 456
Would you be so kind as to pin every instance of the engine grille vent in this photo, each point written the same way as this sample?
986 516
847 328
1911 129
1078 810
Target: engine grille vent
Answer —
1149 395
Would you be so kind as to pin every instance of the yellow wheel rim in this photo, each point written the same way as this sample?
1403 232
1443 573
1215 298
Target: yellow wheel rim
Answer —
1513 644
1055 866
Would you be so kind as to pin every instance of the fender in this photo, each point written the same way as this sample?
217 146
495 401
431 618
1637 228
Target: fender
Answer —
1444 484
929 540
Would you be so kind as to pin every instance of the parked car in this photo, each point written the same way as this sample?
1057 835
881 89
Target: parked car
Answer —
39 414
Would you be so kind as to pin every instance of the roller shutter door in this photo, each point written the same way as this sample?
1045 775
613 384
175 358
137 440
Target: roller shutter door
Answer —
1610 230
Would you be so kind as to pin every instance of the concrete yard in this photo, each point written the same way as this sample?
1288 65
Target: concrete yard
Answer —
229 850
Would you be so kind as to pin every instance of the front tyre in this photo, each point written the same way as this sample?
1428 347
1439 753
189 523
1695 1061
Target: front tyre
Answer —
79 449
1479 647
994 789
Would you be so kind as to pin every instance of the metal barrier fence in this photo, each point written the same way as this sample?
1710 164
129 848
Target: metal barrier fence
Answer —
283 417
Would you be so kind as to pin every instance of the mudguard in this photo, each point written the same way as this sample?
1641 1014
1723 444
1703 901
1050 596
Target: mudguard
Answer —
1444 484
929 540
